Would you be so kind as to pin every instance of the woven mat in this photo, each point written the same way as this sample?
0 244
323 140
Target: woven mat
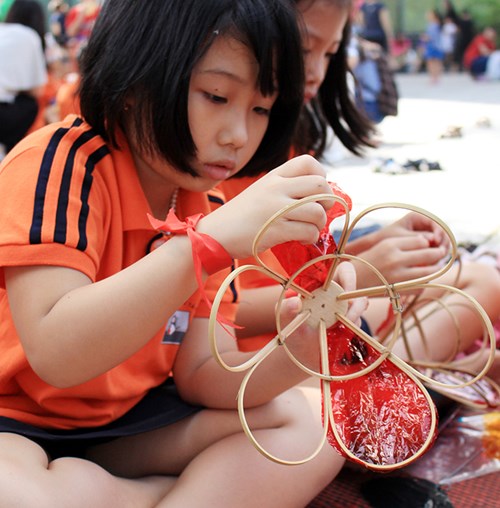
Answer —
345 492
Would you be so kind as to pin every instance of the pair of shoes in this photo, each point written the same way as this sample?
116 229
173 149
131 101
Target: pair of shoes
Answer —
452 131
390 166
422 165
483 122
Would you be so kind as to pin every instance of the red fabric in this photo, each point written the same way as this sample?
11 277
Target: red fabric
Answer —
473 49
383 418
208 253
345 491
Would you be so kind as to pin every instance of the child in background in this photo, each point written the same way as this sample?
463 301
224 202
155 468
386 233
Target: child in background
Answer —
369 80
97 310
433 48
448 42
410 247
58 10
479 51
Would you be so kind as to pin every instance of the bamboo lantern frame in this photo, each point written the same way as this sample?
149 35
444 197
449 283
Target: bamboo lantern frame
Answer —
328 304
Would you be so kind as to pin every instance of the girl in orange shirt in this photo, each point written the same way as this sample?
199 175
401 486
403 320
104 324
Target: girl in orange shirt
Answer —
99 313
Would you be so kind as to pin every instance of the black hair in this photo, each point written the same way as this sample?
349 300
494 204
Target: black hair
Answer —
147 50
29 13
335 105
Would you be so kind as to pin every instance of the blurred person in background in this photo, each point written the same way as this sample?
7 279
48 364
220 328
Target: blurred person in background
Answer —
449 32
465 34
375 23
433 48
32 14
23 72
478 52
79 23
58 10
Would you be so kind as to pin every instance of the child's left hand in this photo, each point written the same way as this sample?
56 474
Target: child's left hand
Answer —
304 341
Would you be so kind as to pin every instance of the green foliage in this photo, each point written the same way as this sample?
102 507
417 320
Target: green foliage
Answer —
410 15
484 13
4 7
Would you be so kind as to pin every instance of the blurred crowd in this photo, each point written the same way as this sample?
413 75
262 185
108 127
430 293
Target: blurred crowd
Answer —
451 42
39 57
39 63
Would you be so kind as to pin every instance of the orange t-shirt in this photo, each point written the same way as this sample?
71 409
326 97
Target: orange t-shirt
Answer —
67 99
68 199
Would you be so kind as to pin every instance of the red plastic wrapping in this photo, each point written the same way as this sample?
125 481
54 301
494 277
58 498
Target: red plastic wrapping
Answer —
293 255
468 447
383 418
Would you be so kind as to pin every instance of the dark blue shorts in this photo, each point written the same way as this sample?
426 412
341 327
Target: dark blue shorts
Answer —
365 326
162 406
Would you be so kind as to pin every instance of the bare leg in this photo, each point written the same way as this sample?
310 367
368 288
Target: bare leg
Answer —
477 280
434 69
28 479
217 464
475 362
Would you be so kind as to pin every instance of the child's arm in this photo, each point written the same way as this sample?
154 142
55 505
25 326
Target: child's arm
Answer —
73 330
201 380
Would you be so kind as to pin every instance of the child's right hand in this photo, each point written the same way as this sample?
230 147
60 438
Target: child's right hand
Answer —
411 247
236 224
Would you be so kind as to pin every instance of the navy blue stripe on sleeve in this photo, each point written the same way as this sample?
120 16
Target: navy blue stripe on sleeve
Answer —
215 199
43 178
62 203
87 184
61 219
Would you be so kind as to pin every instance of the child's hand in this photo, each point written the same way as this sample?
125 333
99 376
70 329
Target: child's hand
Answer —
346 276
415 223
303 343
412 247
400 258
236 224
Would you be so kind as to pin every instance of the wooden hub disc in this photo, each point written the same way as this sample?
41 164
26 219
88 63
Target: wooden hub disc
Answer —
324 306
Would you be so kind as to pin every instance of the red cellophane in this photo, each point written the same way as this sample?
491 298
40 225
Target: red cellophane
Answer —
383 417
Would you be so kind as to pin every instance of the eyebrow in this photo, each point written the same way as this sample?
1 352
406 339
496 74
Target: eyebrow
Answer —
315 36
222 72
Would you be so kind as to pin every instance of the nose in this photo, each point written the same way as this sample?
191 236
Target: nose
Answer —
234 131
315 72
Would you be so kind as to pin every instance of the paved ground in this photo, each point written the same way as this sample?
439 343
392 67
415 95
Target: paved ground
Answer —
466 193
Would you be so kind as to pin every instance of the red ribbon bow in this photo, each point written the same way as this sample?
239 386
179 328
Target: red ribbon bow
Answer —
208 253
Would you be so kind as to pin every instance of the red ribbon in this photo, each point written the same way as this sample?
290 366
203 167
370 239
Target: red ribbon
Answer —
208 253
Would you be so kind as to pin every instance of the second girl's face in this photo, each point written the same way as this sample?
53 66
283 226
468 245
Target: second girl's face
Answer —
323 23
228 115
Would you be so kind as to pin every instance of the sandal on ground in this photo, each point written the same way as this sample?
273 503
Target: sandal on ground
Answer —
422 165
453 131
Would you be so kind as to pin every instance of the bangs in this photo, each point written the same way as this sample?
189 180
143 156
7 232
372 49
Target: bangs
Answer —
149 49
262 34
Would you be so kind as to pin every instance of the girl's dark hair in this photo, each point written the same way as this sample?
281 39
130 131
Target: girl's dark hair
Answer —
142 53
29 13
335 105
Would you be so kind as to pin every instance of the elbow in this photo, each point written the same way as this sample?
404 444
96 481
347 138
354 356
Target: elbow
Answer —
52 373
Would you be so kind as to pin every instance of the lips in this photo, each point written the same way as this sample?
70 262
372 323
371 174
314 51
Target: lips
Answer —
220 170
309 94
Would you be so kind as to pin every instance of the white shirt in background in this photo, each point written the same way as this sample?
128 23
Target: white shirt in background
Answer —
22 61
